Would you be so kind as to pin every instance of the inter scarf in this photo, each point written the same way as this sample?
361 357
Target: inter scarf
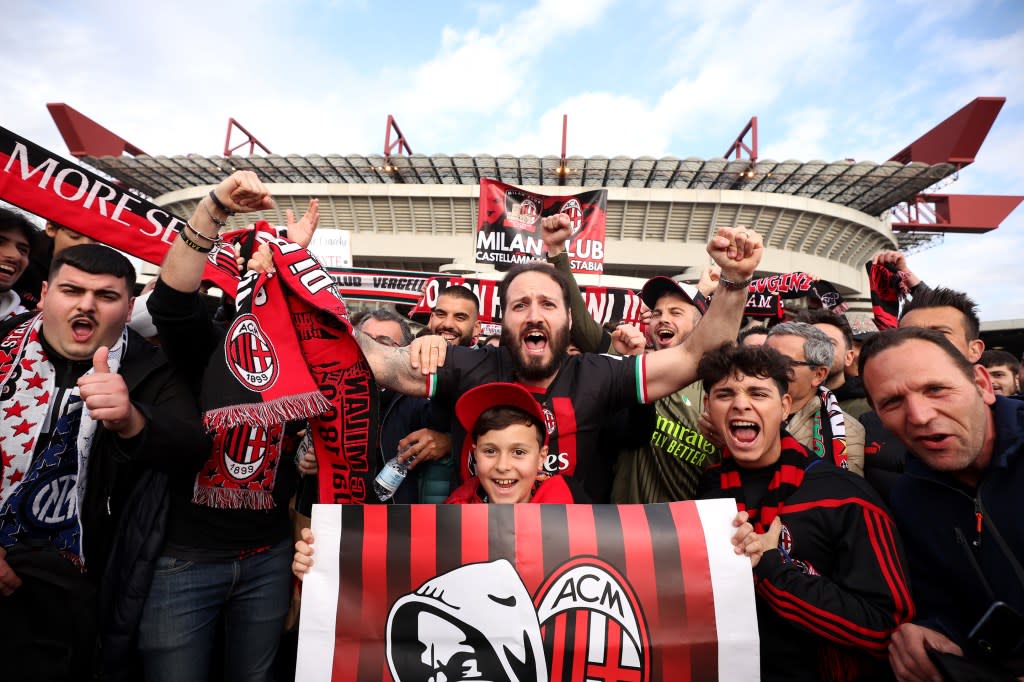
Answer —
288 354
28 380
831 430
787 476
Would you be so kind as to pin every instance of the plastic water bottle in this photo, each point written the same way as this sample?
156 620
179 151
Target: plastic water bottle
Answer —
391 477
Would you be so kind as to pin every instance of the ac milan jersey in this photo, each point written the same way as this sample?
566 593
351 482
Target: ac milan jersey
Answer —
587 389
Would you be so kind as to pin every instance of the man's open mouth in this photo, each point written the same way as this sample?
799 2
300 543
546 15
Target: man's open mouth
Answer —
82 328
744 431
535 341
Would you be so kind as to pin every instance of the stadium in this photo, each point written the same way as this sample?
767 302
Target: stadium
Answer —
416 213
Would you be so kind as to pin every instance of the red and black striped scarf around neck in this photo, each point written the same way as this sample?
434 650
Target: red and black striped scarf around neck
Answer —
787 476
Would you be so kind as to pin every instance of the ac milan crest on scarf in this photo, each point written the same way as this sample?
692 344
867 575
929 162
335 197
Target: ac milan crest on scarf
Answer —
787 477
288 354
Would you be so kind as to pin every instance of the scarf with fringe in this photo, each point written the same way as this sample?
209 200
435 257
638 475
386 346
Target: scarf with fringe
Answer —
289 354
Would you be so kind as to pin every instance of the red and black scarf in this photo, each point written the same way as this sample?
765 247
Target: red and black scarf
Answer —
787 476
289 354
888 286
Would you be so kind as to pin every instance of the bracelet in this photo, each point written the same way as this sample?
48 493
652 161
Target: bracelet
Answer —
220 204
216 221
730 285
194 245
199 235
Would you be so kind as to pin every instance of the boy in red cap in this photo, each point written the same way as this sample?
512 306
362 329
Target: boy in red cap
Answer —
509 434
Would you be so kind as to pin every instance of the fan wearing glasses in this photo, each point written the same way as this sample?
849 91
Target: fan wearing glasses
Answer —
410 424
815 419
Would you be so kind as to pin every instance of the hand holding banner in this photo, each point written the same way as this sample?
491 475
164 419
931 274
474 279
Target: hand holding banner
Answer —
528 592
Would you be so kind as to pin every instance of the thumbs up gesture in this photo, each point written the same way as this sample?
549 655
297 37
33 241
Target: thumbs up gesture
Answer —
106 396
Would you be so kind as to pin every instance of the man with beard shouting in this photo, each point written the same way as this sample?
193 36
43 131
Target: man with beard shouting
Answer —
577 392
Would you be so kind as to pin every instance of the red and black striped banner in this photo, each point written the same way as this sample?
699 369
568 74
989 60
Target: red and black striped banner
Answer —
527 592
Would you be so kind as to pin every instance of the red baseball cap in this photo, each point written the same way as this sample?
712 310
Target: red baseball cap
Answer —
476 401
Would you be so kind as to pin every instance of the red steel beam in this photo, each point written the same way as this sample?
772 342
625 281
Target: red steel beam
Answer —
250 140
86 137
400 142
739 146
970 213
957 139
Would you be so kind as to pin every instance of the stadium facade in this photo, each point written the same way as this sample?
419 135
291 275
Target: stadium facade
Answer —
419 213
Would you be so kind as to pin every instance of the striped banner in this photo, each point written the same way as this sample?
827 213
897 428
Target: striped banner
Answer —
603 593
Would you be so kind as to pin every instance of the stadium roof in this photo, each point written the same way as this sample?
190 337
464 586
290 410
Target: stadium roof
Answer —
864 186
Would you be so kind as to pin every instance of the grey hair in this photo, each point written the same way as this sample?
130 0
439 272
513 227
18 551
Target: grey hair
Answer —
385 315
818 348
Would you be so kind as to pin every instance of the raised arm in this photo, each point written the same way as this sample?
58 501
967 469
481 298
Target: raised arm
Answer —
585 333
899 261
405 369
241 192
738 252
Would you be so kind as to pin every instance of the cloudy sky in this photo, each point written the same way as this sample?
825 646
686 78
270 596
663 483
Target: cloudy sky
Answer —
826 80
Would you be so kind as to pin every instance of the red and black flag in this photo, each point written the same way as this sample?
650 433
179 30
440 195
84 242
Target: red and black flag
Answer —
508 226
527 592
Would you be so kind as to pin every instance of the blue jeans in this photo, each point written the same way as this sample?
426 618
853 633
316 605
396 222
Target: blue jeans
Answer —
179 621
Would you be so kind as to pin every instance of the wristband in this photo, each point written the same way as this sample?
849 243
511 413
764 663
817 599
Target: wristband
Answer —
220 204
199 235
195 246
730 285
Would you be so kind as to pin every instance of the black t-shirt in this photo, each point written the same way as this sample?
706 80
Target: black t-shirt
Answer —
586 390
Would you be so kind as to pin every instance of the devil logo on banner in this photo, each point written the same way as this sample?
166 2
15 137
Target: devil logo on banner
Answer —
477 622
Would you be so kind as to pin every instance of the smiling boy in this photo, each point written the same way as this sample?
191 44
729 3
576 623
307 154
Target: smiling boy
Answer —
509 437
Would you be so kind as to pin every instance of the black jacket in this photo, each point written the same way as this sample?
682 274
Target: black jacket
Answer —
128 494
125 506
829 598
959 569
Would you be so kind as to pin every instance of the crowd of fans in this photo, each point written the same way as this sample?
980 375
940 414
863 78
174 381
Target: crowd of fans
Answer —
875 472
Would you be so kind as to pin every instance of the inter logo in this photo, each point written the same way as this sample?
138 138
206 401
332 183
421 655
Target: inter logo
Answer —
250 356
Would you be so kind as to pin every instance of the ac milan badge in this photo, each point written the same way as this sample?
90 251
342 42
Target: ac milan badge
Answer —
785 539
587 608
248 447
573 209
250 356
